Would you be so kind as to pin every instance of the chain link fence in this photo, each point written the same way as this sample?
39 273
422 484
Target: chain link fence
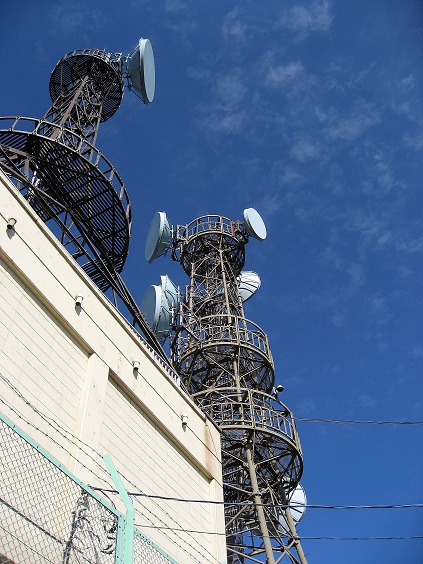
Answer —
48 515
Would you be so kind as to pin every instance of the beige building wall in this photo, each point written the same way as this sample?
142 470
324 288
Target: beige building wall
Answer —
66 378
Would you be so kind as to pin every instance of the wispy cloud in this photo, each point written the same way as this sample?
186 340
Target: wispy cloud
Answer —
356 272
410 245
305 20
234 27
305 149
226 114
366 401
174 6
72 18
284 74
414 141
220 120
231 89
362 117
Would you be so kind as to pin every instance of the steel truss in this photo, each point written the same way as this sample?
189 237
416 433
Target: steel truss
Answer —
225 362
74 189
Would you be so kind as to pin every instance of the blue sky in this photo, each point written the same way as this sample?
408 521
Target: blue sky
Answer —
312 113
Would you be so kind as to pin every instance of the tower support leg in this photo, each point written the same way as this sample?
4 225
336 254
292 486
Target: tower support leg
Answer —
259 507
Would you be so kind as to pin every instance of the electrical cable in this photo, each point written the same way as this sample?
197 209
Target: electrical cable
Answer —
275 505
356 422
55 425
410 537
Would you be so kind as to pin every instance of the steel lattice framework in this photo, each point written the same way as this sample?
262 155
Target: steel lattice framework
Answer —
54 163
225 362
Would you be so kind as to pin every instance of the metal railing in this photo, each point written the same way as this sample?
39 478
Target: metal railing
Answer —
231 407
48 515
226 329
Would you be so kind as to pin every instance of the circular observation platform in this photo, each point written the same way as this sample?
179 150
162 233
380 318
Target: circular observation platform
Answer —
251 417
198 245
103 70
73 179
205 353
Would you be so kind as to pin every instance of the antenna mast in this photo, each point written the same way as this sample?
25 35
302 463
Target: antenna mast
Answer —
54 163
225 362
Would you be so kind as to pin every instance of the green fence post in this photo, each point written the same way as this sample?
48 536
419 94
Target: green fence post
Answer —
130 511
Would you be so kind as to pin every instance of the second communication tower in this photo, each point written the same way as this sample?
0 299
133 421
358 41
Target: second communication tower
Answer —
225 362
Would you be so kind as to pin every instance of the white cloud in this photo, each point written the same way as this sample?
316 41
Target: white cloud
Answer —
384 172
361 76
350 128
414 141
305 149
219 120
384 239
406 84
304 20
356 271
330 256
233 26
411 245
231 88
75 17
227 113
291 176
174 6
284 74
270 204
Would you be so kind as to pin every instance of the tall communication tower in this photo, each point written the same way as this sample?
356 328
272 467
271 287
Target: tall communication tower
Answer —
54 163
225 362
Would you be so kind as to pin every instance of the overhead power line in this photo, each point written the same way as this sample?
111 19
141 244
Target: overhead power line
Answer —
356 422
215 533
278 506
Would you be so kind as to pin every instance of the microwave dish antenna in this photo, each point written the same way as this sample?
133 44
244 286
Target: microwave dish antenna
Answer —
298 503
248 284
158 238
159 304
141 71
254 224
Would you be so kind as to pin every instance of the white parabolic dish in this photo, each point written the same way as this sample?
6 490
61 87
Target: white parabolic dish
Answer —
297 505
141 70
158 237
158 304
150 305
248 284
254 224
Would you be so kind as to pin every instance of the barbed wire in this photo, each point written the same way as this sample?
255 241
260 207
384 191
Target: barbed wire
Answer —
55 426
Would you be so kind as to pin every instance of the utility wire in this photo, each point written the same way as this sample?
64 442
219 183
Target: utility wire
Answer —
215 533
356 422
277 506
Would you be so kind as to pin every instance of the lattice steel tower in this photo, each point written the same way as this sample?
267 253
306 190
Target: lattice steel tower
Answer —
54 163
225 362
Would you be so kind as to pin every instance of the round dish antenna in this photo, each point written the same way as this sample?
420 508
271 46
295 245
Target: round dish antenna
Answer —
141 71
254 224
158 237
158 305
248 284
297 504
